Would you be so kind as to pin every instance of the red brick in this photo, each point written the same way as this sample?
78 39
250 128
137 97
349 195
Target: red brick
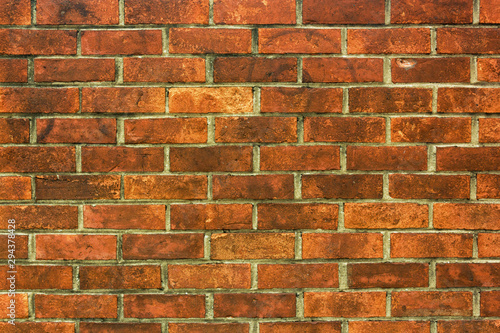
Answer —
40 217
210 100
298 216
21 246
119 159
39 100
120 277
124 217
429 187
488 245
258 187
37 159
21 301
166 12
76 306
165 187
468 159
72 130
38 327
300 100
254 305
489 129
353 129
164 70
13 70
69 70
344 304
15 12
388 275
432 129
14 130
343 70
298 276
87 327
256 129
431 11
77 187
389 326
77 12
431 303
208 328
15 188
202 40
254 12
430 70
162 246
210 217
106 42
341 245
390 100
466 216
467 326
342 186
490 303
166 130
164 306
209 276
386 41
244 69
488 186
299 40
410 158
300 158
344 11
252 246
488 70
37 42
468 40
123 100
468 100
75 247
430 245
304 327
37 277
464 275
211 159
488 12
385 215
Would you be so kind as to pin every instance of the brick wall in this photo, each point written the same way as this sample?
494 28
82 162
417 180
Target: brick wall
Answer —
251 165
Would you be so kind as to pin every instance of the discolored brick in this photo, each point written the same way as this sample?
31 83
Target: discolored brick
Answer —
468 40
297 276
211 216
488 12
15 12
466 216
254 305
95 12
39 100
344 304
385 215
37 42
75 247
77 187
465 326
386 41
304 327
431 11
164 306
209 276
300 100
488 245
166 130
468 100
256 129
343 11
407 70
254 12
162 246
387 158
463 275
124 217
487 186
14 130
431 303
390 100
120 277
166 12
488 70
37 277
490 303
299 40
388 275
201 40
76 306
72 130
300 158
40 217
468 159
343 70
387 326
163 70
489 129
429 187
431 245
109 42
252 246
89 327
123 100
13 70
209 159
258 187
352 129
341 245
355 186
210 100
162 187
122 159
37 159
79 70
297 216
208 328
15 188
432 129
245 69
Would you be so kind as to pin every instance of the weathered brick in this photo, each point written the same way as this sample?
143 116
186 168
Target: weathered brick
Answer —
352 129
166 130
252 246
124 217
72 130
120 277
385 215
355 186
259 187
123 100
210 100
76 306
343 70
254 12
109 42
468 40
304 327
488 245
164 70
488 186
254 305
488 12
299 40
162 246
40 217
256 129
211 216
37 42
390 100
164 306
344 304
210 276
201 40
388 275
38 327
77 187
89 327
297 216
300 158
245 69
344 11
37 159
429 187
468 100
69 70
122 159
37 276
39 100
21 246
468 159
300 100
14 130
166 12
407 70
463 275
386 41
490 303
341 245
387 326
466 216
21 311
431 303
15 12
208 328
466 326
488 70
165 187
297 276
489 130
408 158
431 11
432 129
77 12
211 159
13 70
431 245
75 247
15 188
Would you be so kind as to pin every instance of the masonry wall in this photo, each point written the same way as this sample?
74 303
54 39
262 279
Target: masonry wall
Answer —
250 165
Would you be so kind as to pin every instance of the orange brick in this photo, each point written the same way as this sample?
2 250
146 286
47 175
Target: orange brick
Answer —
162 246
431 303
385 215
75 247
341 245
298 276
211 216
109 42
299 40
252 246
386 41
209 276
299 100
254 305
77 12
297 216
210 100
164 306
254 12
124 217
201 40
76 306
344 304
353 129
342 70
431 245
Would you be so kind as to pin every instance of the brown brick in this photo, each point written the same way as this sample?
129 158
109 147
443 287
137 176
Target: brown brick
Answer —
464 275
211 216
252 246
164 306
466 326
37 277
245 69
14 130
304 327
210 100
77 12
40 217
75 247
344 304
298 276
88 327
408 158
344 11
15 12
489 130
120 277
76 306
208 328
390 100
38 327
211 159
429 186
13 70
490 303
431 303
256 129
202 40
15 188
468 100
431 11
166 12
385 215
258 187
488 245
488 70
468 40
209 276
77 187
124 217
342 186
21 301
300 158
468 158
21 246
386 326
165 187
108 42
466 216
37 42
162 246
488 12
163 70
123 100
120 159
430 245
254 305
405 70
166 130
37 159
298 216
69 70
352 129
254 12
69 130
299 40
300 100
39 100
432 129
488 186
343 70
341 245
386 41
388 275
